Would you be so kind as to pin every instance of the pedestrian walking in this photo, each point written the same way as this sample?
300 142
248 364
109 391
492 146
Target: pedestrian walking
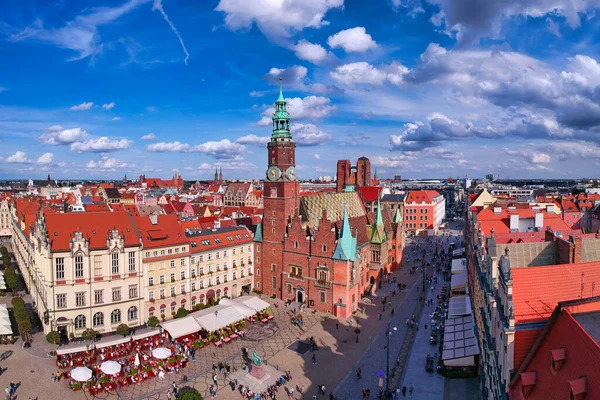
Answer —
314 359
379 317
404 391
410 390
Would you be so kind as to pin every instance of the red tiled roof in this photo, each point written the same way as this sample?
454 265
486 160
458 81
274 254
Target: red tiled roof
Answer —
420 196
101 207
167 231
487 219
196 245
583 359
369 193
569 206
535 302
524 341
94 226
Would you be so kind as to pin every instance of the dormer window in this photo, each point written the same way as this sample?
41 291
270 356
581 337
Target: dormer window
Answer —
528 381
559 356
578 388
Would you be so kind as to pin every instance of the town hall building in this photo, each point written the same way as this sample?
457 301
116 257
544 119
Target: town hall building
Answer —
324 250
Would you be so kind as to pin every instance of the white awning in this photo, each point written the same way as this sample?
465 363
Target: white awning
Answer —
459 281
74 349
459 265
252 302
460 344
217 317
5 330
459 306
112 342
181 326
145 334
239 306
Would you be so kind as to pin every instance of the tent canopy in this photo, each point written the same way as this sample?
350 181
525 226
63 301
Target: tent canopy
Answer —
252 302
217 317
181 327
112 342
240 307
145 334
459 265
459 281
459 306
6 330
460 344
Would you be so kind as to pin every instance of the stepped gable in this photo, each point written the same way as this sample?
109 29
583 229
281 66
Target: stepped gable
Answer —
311 207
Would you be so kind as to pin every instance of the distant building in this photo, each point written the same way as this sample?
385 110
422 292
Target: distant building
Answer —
348 177
424 211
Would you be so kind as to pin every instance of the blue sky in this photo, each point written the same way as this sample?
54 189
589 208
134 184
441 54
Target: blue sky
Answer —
424 88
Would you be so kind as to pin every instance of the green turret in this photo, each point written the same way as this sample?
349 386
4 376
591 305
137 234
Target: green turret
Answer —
281 118
378 229
345 248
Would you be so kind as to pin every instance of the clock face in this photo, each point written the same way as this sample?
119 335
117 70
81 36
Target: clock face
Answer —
273 173
291 173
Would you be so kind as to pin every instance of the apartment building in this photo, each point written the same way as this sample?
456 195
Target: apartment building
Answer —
82 269
5 220
424 211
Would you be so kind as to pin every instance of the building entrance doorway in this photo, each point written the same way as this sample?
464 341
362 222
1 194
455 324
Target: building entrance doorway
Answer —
300 296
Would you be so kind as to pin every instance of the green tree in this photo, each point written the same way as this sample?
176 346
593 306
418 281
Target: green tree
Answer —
153 321
12 281
17 300
182 312
3 251
6 260
123 329
89 334
53 337
188 393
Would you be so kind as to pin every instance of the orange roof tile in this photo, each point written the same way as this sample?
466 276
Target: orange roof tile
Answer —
216 239
419 196
167 231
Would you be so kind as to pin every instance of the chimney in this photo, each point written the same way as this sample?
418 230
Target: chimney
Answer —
550 208
514 222
539 221
217 224
497 210
153 219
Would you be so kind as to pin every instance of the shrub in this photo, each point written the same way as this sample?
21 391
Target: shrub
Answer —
189 394
12 281
6 261
3 251
153 321
53 337
181 312
18 300
89 334
123 329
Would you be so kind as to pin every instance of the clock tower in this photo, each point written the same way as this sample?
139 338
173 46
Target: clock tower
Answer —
281 187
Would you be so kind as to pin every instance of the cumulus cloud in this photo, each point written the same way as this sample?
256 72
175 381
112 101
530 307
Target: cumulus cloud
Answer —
56 135
255 93
277 21
149 136
83 106
100 145
310 107
234 165
19 157
315 53
317 156
170 147
223 149
355 40
254 140
46 158
108 106
116 118
363 73
292 76
308 135
107 164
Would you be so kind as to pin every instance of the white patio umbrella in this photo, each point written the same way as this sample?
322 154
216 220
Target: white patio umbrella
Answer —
137 360
161 352
110 367
81 374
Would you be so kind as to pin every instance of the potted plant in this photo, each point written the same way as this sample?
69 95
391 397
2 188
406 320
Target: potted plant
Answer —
162 316
123 330
152 300
153 321
53 337
71 337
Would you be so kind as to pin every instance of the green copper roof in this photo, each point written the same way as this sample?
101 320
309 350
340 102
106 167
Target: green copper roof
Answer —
398 216
349 189
378 229
281 118
280 98
346 245
258 234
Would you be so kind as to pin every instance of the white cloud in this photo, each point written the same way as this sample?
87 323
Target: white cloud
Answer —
292 76
392 162
355 40
82 107
19 157
255 93
56 134
315 53
310 107
46 158
151 109
308 135
108 106
230 165
254 140
317 156
277 20
149 136
107 164
540 158
223 149
158 6
116 118
363 73
188 168
102 144
80 34
171 147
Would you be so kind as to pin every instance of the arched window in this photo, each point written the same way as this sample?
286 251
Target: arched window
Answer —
80 322
132 313
98 319
115 316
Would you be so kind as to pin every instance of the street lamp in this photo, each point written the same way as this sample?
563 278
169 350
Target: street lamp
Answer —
388 333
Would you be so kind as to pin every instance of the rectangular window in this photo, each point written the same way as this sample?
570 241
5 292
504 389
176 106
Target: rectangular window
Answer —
193 260
183 288
79 267
200 258
234 275
80 299
172 263
210 256
162 252
132 261
162 293
296 271
182 274
289 288
60 268
133 291
274 282
273 267
173 277
151 294
172 290
151 281
209 269
116 294
183 262
155 253
193 286
224 253
161 279
115 263
61 301
233 252
99 296
322 297
201 284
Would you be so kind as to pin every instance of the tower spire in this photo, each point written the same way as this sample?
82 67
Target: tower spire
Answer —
281 118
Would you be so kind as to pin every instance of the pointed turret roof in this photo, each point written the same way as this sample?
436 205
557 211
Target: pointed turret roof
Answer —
280 99
281 118
346 244
378 228
398 216
258 234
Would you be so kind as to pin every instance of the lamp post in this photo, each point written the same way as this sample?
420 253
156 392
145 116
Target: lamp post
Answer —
388 333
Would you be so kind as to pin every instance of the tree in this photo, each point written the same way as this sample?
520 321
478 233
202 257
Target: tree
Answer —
181 312
188 393
12 281
356 332
153 321
53 337
17 300
123 329
6 260
3 251
89 334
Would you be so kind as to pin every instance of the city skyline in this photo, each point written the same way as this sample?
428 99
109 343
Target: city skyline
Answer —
421 88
